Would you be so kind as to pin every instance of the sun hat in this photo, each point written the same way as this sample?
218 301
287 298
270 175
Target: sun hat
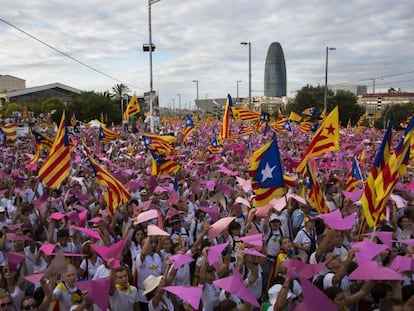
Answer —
151 283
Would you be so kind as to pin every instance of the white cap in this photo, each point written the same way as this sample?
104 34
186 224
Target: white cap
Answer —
274 217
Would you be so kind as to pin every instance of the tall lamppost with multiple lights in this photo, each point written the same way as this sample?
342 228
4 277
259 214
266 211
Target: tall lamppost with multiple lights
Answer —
150 48
250 72
326 76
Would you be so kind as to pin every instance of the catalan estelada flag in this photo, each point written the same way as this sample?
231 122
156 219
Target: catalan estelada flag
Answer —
163 166
263 121
162 145
106 135
309 112
354 180
132 108
245 130
42 141
225 125
214 146
316 198
10 131
244 114
265 173
293 116
305 126
116 194
282 125
369 196
189 128
57 165
390 174
325 139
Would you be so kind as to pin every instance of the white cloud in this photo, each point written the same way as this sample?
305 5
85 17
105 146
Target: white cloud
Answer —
200 40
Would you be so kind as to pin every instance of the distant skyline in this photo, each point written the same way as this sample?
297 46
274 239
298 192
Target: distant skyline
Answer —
200 40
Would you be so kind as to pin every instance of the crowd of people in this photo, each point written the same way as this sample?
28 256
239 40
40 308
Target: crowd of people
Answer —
53 241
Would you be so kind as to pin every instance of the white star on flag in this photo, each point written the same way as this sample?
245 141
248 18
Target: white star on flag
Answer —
267 172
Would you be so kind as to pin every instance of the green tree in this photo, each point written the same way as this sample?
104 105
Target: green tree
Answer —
313 96
310 96
348 107
400 113
89 105
10 107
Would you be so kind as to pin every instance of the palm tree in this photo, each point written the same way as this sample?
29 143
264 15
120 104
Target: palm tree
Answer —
120 90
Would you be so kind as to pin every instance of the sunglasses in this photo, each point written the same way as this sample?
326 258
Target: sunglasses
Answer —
6 304
29 307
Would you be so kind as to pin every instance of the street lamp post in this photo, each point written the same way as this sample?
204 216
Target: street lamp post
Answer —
238 81
250 72
326 76
151 2
179 102
196 82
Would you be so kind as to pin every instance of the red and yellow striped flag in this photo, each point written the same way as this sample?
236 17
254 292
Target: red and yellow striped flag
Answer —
132 108
73 120
25 113
57 165
316 198
293 116
106 135
225 126
163 166
325 139
369 196
244 114
116 194
10 131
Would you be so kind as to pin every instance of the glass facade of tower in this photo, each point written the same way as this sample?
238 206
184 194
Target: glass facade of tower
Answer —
275 72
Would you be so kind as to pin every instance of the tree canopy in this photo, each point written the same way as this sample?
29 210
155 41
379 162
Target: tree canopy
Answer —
313 96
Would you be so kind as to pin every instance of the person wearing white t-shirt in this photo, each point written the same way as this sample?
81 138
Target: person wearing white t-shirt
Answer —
66 293
338 270
329 200
305 240
148 263
123 296
103 271
211 293
251 271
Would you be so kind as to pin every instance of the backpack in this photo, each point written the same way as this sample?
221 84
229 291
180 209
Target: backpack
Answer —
272 235
312 238
318 282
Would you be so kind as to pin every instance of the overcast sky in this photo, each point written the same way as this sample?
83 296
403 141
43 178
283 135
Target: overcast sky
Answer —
200 40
